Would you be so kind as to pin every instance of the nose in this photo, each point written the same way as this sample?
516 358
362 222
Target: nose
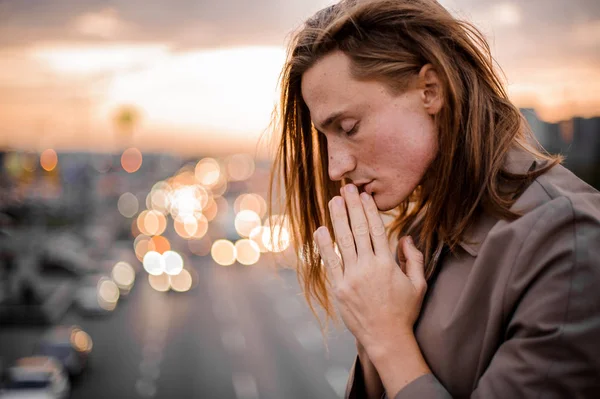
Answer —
341 160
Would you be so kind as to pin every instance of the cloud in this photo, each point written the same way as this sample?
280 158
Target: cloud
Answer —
233 22
105 24
59 57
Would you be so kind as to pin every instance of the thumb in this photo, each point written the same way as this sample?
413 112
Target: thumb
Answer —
413 258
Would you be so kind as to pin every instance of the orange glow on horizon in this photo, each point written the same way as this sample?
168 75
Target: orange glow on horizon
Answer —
199 99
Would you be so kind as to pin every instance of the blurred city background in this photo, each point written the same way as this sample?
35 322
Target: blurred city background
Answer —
136 257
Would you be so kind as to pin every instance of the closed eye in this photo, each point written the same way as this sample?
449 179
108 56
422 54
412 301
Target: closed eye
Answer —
352 131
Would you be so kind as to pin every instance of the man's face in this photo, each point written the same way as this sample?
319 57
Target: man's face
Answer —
382 142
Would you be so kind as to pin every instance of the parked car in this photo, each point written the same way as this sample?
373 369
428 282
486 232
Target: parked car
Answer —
36 377
68 344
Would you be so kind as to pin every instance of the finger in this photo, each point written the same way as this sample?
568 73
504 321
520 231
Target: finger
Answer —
415 269
341 229
358 220
376 226
333 263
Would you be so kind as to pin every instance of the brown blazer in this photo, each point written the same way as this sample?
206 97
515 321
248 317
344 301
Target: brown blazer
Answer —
515 312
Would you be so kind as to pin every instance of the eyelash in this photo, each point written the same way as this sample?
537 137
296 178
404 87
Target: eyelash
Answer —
352 131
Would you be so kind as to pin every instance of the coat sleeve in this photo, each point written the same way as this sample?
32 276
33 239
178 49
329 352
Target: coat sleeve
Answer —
426 386
552 307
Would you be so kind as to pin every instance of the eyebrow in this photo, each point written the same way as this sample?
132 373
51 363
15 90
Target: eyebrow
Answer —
329 120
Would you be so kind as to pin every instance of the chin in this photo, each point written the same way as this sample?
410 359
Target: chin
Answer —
385 203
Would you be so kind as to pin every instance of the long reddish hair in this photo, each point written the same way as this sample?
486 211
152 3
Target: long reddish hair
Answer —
390 41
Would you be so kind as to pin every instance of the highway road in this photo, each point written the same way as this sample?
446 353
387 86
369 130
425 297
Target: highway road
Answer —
242 332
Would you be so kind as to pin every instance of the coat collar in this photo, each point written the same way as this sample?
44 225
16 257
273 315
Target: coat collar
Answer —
518 161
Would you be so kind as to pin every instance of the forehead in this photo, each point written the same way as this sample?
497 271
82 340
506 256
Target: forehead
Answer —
328 74
328 84
328 87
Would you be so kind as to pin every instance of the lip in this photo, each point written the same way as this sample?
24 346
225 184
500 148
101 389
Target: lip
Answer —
361 185
369 187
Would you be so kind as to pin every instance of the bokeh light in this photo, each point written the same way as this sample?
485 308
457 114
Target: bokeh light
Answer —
182 282
223 252
108 294
154 263
151 222
247 252
245 222
123 275
81 340
220 187
159 200
188 200
48 160
141 222
131 160
240 167
102 162
190 225
185 227
185 177
251 202
278 237
159 244
201 227
135 230
128 205
260 235
156 223
28 162
160 283
141 245
173 263
208 172
210 212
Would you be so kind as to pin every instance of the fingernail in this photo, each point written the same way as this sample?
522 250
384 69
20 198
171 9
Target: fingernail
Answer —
410 241
339 201
364 197
351 188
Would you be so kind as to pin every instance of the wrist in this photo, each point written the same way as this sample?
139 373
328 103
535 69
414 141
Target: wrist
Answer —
380 347
398 361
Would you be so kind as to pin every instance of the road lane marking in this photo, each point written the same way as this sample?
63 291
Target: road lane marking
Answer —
152 354
149 370
233 340
310 337
337 377
145 388
288 308
244 385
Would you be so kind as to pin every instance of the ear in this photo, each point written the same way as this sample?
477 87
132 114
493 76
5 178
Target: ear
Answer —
431 89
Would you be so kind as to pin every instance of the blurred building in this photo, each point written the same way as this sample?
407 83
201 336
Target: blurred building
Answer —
577 139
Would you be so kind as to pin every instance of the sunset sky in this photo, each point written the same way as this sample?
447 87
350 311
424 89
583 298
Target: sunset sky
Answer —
203 74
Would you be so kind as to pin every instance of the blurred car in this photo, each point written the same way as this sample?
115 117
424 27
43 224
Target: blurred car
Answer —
36 377
97 294
70 345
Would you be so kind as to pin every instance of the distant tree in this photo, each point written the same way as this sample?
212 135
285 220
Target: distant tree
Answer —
126 120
